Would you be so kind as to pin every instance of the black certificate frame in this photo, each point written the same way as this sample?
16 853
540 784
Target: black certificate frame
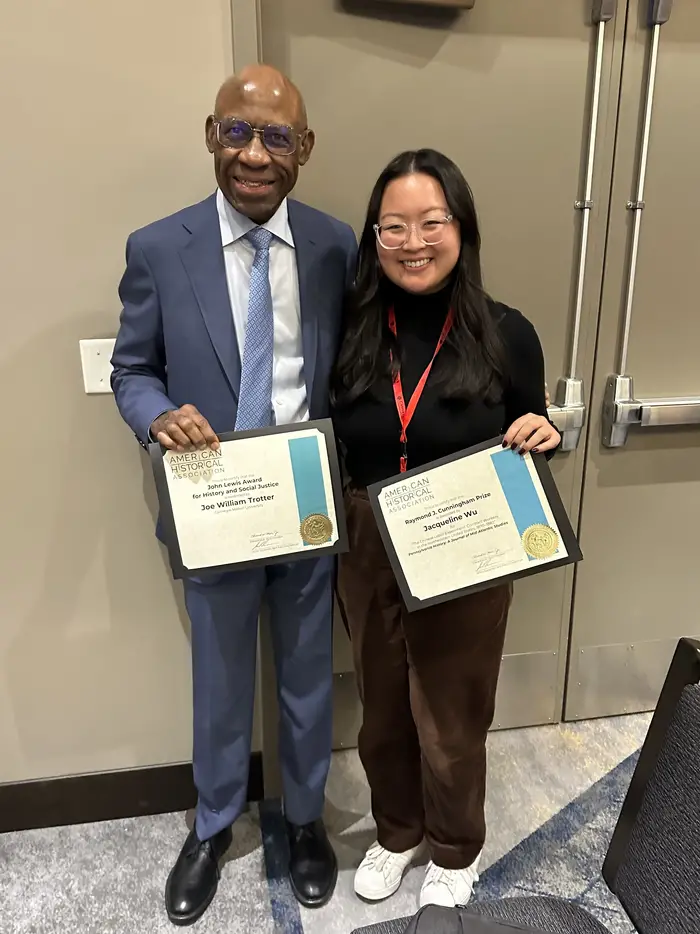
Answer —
167 519
551 492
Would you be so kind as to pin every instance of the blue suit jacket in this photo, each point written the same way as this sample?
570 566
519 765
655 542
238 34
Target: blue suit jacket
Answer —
176 342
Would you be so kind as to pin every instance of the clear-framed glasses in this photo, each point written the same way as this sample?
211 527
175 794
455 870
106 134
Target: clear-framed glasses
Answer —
278 138
395 235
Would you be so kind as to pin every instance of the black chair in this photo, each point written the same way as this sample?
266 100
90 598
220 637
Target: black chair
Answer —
653 861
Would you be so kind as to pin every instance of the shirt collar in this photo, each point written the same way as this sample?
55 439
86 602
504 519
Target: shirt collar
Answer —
235 225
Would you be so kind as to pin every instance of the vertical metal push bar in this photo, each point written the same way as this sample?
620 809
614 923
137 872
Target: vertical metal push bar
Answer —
569 411
603 13
620 408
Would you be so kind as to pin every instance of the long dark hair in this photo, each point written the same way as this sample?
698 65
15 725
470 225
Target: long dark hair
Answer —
472 362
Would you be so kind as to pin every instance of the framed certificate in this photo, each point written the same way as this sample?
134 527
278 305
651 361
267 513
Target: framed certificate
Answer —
264 497
472 520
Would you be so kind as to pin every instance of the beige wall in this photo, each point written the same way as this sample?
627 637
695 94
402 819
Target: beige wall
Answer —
103 109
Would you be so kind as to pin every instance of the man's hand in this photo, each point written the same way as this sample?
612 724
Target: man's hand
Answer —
184 429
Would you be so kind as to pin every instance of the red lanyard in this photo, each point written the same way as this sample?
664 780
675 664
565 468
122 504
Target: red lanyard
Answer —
406 414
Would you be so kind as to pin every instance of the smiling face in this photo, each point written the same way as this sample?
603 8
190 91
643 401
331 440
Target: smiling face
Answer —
254 180
418 201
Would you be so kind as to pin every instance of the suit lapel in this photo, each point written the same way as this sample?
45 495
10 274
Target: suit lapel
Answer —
305 248
203 258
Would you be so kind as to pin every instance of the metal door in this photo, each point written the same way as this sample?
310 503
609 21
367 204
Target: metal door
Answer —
506 90
637 590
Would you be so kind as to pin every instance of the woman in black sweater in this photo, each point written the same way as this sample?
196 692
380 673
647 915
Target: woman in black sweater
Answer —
427 679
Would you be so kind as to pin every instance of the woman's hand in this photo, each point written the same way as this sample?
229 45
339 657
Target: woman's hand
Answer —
531 433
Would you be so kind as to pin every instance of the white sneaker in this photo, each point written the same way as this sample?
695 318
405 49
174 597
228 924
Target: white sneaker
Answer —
448 887
380 873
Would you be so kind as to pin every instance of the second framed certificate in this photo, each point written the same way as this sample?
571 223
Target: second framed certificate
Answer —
264 497
470 521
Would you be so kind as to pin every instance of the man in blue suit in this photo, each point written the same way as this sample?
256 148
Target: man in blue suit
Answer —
231 319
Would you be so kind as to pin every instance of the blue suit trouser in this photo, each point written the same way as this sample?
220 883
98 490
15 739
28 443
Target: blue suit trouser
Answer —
224 615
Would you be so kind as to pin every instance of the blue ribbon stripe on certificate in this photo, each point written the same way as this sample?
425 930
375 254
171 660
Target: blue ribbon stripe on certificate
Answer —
516 483
308 477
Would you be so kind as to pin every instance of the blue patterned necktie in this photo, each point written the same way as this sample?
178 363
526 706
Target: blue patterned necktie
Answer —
255 397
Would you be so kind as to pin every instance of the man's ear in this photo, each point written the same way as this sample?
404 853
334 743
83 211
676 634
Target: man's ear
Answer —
306 146
210 133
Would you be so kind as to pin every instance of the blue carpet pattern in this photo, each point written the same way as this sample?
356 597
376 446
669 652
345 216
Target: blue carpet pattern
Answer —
563 857
109 877
284 906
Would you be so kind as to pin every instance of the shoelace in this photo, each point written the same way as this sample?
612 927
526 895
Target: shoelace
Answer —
198 847
436 875
378 858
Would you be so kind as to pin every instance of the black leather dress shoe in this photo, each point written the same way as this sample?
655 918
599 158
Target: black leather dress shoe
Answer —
194 878
313 868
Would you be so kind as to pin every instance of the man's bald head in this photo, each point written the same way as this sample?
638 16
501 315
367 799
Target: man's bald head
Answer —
257 170
262 82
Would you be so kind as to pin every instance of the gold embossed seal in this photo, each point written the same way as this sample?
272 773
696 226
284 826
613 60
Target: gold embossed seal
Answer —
540 541
316 529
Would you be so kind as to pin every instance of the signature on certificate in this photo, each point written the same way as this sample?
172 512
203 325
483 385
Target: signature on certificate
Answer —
490 559
263 541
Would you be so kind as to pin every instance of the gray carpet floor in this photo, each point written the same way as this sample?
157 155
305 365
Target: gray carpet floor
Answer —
557 785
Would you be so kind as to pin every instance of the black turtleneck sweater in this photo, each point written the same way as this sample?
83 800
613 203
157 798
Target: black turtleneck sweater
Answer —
369 427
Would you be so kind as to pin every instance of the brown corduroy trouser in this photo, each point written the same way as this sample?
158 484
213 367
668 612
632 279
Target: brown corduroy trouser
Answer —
427 682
